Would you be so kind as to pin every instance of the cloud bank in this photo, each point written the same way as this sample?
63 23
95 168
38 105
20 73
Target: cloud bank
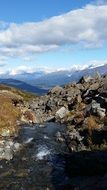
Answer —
87 25
46 70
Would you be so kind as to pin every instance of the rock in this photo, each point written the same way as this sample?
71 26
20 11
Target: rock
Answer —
56 90
70 128
74 101
101 112
59 137
62 112
6 132
85 79
16 146
9 131
96 109
29 116
8 149
50 105
34 106
74 140
75 135
102 101
6 153
79 99
98 76
103 86
72 92
50 119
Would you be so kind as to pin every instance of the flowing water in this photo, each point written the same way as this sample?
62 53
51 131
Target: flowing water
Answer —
40 165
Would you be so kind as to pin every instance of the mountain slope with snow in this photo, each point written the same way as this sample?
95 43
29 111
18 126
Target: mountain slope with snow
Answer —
40 81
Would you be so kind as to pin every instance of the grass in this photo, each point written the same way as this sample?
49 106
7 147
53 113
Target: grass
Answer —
92 124
25 95
9 114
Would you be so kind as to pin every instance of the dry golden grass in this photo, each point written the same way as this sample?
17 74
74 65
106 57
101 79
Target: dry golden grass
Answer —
29 116
25 95
8 116
92 124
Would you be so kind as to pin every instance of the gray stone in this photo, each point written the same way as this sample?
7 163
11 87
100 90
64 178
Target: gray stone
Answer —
8 149
96 109
56 90
62 112
50 119
85 79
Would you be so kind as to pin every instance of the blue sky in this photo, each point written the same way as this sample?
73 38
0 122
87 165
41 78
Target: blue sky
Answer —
35 10
51 34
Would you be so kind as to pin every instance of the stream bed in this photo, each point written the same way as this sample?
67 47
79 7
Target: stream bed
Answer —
40 164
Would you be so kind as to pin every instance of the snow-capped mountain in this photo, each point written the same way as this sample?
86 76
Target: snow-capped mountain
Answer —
45 80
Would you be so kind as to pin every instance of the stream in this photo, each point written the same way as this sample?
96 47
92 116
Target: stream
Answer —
40 165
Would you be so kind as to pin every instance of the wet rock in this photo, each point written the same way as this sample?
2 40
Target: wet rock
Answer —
74 140
59 137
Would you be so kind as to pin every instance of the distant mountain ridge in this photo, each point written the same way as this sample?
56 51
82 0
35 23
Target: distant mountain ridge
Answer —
40 82
23 86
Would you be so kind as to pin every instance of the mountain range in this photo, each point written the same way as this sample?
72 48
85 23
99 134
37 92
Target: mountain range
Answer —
40 82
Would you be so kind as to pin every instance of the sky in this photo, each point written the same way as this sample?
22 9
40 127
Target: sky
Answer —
52 35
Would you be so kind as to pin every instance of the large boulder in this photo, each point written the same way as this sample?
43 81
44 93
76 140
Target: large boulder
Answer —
62 112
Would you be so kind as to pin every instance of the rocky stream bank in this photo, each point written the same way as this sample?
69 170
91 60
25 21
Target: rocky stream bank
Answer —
60 141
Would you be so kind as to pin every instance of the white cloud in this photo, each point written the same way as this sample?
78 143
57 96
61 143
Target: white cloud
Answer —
20 70
100 2
96 63
87 25
31 69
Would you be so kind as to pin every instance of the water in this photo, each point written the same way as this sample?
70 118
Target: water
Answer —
42 152
40 165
